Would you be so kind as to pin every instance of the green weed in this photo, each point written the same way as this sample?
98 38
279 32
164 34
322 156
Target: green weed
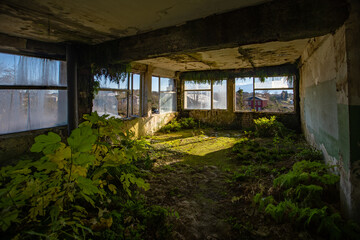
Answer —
250 171
176 125
269 127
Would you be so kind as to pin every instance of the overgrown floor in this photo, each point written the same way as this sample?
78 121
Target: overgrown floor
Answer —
193 175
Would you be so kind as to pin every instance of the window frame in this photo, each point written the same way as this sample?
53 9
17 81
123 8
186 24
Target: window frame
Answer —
129 94
159 91
211 90
36 87
254 89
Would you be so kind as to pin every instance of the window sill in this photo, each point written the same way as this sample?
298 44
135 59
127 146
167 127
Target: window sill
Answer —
34 132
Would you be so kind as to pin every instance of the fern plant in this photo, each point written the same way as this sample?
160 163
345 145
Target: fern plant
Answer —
303 201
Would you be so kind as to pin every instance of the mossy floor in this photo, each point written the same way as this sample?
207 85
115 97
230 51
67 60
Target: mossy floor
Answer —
194 175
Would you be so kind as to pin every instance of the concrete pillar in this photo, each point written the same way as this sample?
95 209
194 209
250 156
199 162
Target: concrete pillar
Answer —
85 90
351 175
180 95
147 92
231 94
71 60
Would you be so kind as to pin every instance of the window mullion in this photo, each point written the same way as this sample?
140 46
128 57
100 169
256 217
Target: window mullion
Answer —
128 97
254 93
159 95
211 95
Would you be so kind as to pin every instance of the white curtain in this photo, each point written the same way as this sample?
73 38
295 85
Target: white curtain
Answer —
22 110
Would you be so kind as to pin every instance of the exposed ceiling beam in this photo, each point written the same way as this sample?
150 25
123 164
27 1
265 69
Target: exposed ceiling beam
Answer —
29 47
281 20
280 70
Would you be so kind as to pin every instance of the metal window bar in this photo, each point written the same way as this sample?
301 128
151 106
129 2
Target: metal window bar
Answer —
132 94
127 96
32 87
212 95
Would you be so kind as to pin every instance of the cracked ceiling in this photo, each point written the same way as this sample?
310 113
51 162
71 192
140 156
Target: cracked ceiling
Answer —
95 22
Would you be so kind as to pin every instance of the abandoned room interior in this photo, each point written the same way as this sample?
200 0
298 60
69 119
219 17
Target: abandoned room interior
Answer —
180 119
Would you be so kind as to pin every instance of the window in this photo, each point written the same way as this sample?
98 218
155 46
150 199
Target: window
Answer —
274 94
135 95
163 95
33 93
205 95
118 99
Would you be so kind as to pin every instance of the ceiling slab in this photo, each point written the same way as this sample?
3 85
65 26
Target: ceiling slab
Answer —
248 56
96 21
281 20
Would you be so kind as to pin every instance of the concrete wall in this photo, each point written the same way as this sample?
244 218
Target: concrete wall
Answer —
323 69
148 125
15 144
330 104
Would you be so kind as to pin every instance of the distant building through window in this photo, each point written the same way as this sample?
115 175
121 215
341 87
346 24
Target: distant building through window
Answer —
273 94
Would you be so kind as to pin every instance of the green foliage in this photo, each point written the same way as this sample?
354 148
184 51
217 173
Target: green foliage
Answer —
269 127
187 123
289 209
172 126
239 145
59 189
176 125
111 72
303 203
306 172
250 171
247 150
262 201
309 154
134 219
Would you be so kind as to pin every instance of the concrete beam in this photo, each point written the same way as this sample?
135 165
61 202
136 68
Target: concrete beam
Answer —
280 70
281 20
72 84
16 45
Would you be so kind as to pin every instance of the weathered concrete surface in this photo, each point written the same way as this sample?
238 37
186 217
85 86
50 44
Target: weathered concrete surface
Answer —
14 145
330 106
353 63
285 69
148 125
97 21
29 47
323 98
253 55
281 20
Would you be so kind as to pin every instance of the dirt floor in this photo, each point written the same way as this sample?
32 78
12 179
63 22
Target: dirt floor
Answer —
194 175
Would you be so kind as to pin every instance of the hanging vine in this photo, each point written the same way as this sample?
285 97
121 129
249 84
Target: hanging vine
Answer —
111 72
